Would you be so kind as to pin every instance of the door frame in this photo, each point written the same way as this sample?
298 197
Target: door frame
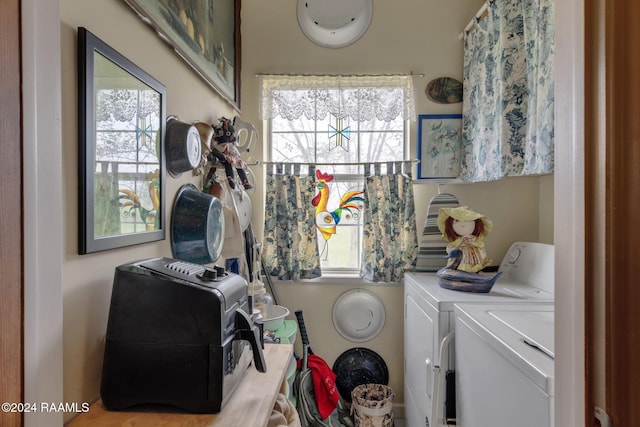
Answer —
620 146
569 214
43 238
611 194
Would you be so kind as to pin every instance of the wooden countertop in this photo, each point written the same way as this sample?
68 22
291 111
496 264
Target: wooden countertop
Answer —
250 404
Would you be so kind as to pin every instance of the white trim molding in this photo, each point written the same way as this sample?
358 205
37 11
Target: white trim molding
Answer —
43 220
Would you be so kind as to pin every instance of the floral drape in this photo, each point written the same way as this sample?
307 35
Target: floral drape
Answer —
290 244
390 244
106 216
508 92
539 28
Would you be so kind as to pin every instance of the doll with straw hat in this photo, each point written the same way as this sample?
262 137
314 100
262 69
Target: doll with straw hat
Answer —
465 229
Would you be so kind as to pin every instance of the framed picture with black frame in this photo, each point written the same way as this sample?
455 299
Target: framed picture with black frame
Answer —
438 146
121 164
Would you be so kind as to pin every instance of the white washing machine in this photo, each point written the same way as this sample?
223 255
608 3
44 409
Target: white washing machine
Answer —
504 365
528 272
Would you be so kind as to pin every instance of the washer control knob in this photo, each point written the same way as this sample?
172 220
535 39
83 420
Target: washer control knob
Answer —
514 255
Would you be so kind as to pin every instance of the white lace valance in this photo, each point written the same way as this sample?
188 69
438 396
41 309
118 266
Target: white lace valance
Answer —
361 98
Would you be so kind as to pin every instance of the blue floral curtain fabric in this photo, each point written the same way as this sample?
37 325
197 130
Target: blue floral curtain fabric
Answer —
508 92
290 244
480 118
539 30
390 244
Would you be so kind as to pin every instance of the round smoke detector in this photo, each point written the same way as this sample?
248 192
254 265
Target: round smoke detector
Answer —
334 23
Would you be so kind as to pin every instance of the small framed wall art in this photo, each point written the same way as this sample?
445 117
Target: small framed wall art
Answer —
438 145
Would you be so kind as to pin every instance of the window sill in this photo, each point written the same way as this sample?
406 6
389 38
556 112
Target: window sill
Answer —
337 279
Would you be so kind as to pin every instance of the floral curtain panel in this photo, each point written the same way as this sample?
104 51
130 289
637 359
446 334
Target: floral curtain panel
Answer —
508 92
390 243
290 244
106 192
539 27
390 235
342 96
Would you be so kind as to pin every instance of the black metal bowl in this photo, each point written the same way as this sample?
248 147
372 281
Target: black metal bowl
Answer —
359 366
197 226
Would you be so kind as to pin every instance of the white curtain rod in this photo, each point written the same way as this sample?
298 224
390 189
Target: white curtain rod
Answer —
411 74
476 18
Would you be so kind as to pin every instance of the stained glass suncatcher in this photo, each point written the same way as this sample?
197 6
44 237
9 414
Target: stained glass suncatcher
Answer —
340 134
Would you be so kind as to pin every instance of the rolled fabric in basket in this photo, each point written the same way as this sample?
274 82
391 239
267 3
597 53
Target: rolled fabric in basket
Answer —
284 414
372 405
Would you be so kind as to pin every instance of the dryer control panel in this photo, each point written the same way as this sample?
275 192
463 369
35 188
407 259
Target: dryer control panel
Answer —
531 263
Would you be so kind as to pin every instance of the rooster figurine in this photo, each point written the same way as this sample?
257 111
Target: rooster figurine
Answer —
326 221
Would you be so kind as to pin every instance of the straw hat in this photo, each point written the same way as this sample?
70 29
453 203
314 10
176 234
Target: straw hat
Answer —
462 213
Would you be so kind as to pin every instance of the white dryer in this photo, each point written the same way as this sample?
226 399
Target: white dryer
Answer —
504 365
528 272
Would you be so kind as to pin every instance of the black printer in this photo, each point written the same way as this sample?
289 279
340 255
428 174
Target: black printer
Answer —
178 334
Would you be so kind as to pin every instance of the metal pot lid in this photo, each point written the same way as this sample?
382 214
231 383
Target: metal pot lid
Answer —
182 145
334 23
359 366
197 226
242 203
358 315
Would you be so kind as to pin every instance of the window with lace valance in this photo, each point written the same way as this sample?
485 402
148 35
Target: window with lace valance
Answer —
342 214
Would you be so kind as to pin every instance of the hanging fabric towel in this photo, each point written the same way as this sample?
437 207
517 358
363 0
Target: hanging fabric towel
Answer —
284 414
233 238
324 385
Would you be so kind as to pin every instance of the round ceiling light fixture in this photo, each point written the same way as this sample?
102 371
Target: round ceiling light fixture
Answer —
334 23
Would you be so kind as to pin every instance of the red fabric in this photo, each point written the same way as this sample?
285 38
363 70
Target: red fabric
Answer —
324 385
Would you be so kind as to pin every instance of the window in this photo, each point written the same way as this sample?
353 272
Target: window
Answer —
127 154
337 125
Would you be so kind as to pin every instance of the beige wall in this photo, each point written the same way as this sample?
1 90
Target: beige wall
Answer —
88 278
419 36
412 35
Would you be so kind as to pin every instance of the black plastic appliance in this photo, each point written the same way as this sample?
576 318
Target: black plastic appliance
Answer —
178 334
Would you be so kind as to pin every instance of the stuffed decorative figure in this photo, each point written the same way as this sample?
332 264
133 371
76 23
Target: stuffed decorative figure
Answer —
465 229
224 149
